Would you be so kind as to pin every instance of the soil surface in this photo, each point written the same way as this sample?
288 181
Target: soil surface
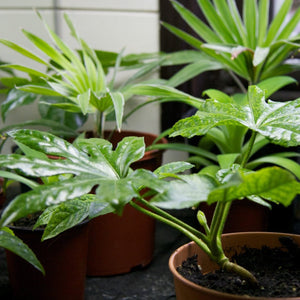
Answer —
277 271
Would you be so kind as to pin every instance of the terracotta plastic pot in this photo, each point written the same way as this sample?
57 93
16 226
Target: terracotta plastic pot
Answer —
63 258
232 243
119 244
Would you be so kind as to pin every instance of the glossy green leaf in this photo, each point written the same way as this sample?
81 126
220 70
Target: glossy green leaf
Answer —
116 192
172 168
15 98
118 102
44 196
273 184
66 216
18 178
196 189
278 121
129 150
16 245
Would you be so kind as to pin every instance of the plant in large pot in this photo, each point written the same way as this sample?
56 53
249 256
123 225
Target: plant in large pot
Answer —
252 49
231 182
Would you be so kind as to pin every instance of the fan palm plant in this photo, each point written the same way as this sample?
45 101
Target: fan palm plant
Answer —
248 45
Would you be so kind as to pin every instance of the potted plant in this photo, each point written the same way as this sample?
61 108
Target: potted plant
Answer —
78 82
251 51
230 182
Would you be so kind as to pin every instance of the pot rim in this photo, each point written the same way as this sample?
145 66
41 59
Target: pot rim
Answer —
217 293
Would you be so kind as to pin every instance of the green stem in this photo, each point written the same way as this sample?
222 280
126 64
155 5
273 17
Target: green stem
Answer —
100 124
166 215
171 223
218 221
249 149
237 269
238 82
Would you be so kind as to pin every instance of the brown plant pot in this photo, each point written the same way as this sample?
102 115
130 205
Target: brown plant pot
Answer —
63 258
232 243
244 216
119 244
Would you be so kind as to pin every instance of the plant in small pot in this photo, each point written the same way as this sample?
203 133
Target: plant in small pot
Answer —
81 80
230 182
252 49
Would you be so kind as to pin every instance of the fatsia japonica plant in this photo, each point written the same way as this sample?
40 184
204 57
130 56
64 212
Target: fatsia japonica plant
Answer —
93 164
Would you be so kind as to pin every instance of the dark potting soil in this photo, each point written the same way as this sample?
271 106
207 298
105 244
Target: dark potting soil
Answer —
277 271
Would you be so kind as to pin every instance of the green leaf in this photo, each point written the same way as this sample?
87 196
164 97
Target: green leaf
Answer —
172 168
192 70
78 161
116 192
273 184
15 98
185 193
129 150
163 91
23 51
260 55
24 69
277 22
216 94
278 121
118 102
65 216
250 20
283 162
263 20
67 120
215 21
16 245
47 195
19 178
273 84
198 26
41 90
184 36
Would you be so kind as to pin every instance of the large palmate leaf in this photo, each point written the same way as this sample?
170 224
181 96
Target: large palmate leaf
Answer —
12 243
278 121
47 195
89 163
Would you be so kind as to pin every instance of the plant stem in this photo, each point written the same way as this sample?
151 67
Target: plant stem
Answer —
249 149
238 82
100 124
237 269
168 216
175 225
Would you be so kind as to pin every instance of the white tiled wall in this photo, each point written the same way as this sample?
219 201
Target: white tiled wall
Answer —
104 24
